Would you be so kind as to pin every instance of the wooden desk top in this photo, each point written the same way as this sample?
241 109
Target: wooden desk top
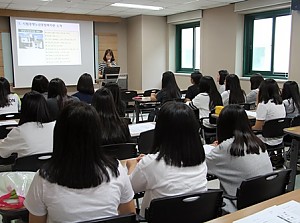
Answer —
294 131
294 195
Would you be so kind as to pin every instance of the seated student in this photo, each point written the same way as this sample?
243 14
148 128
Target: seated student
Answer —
78 183
40 84
233 93
169 91
177 163
208 98
85 88
193 90
9 102
120 104
34 134
255 81
222 74
291 98
57 97
269 107
238 155
114 129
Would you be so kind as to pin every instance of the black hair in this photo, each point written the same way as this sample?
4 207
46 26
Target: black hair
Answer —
291 90
176 136
34 109
237 95
40 84
109 51
207 85
170 86
4 92
256 80
269 90
196 76
114 129
233 122
78 161
222 76
57 89
85 84
115 90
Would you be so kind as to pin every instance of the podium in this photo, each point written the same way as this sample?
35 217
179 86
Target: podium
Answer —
120 79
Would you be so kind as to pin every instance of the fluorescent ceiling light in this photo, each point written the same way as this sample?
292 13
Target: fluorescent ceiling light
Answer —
137 6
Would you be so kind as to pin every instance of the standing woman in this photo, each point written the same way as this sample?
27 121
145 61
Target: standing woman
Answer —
169 91
34 134
79 183
239 153
177 163
120 104
222 74
114 129
208 98
269 107
85 88
9 102
233 93
108 61
291 98
40 84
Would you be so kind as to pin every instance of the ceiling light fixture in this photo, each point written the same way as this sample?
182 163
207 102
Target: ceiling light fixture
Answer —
137 6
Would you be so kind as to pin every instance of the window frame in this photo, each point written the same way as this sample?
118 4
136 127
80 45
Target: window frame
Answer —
178 62
248 43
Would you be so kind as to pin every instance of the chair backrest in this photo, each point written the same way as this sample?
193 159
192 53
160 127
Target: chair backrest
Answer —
10 116
121 151
147 93
5 129
248 106
129 218
31 162
190 208
128 95
261 188
145 141
274 128
295 121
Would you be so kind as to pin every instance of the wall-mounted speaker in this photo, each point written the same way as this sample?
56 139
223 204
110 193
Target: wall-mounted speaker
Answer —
295 5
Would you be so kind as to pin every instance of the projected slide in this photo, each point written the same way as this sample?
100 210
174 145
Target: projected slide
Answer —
41 43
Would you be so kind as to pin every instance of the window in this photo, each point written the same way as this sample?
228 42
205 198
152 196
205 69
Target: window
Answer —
187 47
267 44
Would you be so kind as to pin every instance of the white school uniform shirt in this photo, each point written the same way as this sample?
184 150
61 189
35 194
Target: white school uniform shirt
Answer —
27 139
14 105
63 204
290 108
225 97
232 170
160 180
269 111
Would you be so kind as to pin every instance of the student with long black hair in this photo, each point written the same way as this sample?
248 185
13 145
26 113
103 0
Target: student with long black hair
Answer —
194 89
9 102
169 91
221 76
115 91
40 84
114 129
233 93
79 183
255 81
291 98
239 154
177 163
208 98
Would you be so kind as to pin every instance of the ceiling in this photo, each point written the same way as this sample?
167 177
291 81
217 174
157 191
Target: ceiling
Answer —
103 8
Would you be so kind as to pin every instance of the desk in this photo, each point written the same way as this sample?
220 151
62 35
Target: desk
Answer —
294 195
137 102
295 147
136 129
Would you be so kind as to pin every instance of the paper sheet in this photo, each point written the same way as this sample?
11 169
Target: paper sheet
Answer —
137 129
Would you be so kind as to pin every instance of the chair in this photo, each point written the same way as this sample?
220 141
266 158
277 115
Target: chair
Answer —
5 129
188 208
121 151
208 134
248 106
129 218
261 188
127 96
273 129
148 107
145 141
31 162
10 116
